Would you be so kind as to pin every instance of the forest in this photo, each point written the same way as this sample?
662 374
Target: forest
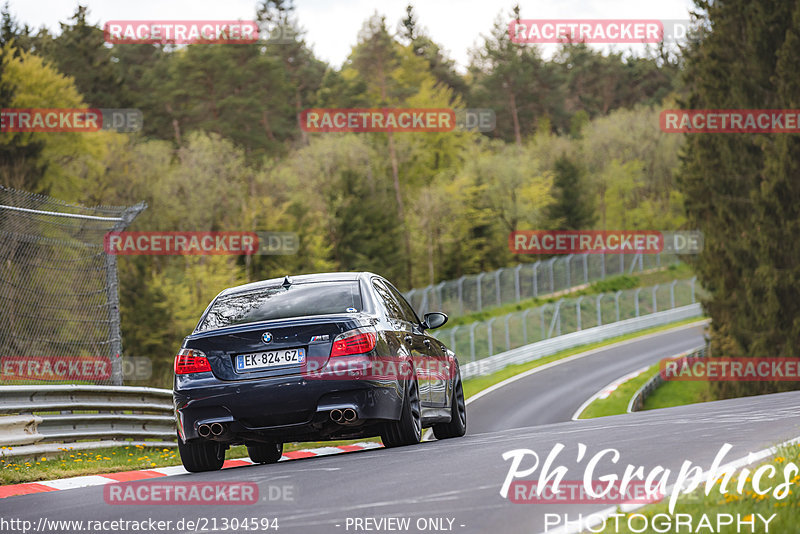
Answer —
577 145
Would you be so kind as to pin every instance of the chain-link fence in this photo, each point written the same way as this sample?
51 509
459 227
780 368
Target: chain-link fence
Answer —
473 293
485 338
59 303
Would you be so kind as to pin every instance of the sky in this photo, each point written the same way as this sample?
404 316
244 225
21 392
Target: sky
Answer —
332 25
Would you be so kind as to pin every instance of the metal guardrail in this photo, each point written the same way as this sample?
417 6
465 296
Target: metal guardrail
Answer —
48 419
547 347
637 401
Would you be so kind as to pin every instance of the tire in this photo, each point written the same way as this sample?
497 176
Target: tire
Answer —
408 430
457 426
201 455
265 453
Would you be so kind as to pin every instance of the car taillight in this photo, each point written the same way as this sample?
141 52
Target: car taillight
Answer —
191 361
356 341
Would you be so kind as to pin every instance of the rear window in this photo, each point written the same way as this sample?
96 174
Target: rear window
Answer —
319 298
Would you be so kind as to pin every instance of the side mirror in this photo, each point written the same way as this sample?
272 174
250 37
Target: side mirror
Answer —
434 320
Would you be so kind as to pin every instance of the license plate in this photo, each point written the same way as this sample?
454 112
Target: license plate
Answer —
270 358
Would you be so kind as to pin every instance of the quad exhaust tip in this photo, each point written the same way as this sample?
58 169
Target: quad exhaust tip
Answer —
217 428
348 415
204 430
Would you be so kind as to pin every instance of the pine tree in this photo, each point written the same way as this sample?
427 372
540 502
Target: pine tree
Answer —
572 208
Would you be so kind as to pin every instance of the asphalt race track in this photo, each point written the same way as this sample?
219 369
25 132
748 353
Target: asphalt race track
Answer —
553 396
457 482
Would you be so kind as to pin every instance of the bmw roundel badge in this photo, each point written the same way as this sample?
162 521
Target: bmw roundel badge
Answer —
266 337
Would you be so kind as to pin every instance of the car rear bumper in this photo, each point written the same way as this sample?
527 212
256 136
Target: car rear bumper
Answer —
282 409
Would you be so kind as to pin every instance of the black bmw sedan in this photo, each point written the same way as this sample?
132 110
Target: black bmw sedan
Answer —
310 358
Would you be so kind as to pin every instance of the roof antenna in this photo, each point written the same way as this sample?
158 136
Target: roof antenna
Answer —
286 282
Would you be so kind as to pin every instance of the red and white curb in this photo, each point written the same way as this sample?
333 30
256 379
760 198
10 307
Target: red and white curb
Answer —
127 476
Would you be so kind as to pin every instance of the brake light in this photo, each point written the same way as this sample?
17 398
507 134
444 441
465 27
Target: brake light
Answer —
356 341
191 361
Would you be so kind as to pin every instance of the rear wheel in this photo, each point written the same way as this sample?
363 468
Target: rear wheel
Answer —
408 430
201 455
265 453
457 426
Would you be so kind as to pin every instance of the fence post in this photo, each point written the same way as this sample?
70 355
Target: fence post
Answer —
692 281
552 280
586 268
461 294
489 334
556 317
424 305
453 338
541 315
497 285
578 311
655 298
472 340
525 325
536 279
616 302
516 281
439 288
636 299
568 261
672 294
621 263
508 334
478 287
599 311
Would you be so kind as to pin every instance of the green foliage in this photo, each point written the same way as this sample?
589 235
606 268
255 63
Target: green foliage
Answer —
615 283
572 208
743 190
221 149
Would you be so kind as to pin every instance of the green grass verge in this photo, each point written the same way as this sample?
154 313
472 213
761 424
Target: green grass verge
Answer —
617 402
72 463
679 393
111 460
746 506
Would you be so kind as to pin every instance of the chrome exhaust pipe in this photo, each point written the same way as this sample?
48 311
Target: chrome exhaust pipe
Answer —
336 415
217 428
204 430
349 415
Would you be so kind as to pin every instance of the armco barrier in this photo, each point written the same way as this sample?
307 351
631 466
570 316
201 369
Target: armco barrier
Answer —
547 347
637 401
51 418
